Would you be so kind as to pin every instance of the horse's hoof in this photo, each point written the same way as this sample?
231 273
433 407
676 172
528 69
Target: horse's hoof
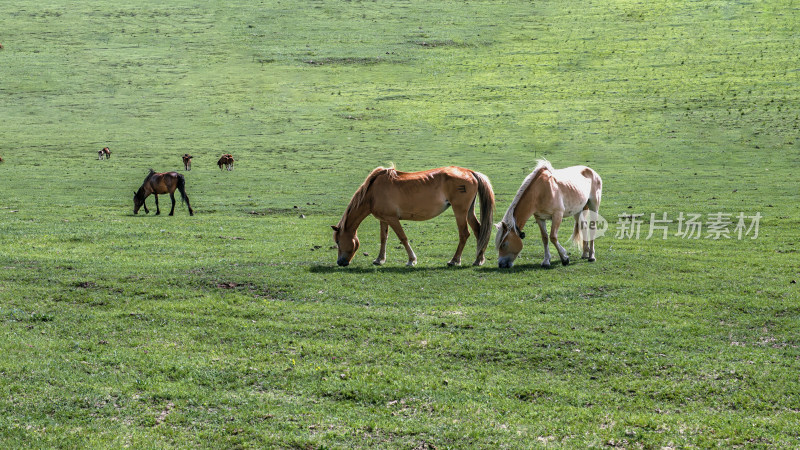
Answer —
411 263
453 263
170 214
479 262
565 262
592 259
545 266
378 262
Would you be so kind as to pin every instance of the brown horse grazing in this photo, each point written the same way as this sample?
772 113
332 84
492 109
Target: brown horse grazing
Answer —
549 194
187 161
392 196
105 153
226 160
161 183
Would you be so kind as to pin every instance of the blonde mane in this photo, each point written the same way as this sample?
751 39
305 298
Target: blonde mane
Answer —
361 193
508 218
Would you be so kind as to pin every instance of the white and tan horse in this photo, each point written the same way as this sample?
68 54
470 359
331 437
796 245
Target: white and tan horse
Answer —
392 196
549 194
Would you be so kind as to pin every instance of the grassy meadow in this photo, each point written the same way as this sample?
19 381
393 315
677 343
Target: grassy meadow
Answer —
235 328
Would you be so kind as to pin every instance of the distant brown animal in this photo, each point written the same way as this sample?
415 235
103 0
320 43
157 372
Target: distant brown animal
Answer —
105 153
187 161
1 159
226 160
161 183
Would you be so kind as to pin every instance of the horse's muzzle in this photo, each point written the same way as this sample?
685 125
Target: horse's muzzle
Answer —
505 263
343 262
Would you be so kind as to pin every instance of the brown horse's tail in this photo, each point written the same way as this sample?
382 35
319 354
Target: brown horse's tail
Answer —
182 189
486 197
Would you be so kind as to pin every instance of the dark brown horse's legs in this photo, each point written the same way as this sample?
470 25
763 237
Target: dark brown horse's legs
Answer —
172 197
158 210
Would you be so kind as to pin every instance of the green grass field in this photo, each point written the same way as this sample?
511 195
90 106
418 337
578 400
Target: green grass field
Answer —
235 328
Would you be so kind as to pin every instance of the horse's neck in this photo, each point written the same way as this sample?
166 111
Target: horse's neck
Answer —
524 209
355 215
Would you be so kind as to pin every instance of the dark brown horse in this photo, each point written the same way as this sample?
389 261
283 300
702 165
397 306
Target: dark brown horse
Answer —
161 183
187 161
226 160
105 153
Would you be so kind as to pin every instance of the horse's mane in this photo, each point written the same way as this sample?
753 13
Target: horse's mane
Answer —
508 218
141 188
361 193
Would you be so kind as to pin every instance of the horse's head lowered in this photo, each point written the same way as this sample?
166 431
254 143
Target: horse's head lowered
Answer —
508 243
138 201
347 243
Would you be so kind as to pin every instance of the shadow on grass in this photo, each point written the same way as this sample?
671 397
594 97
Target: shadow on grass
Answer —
486 268
522 268
333 268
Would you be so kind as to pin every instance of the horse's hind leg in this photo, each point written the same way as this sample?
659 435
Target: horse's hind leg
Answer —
554 238
384 236
158 210
463 235
172 197
398 230
480 256
594 205
581 234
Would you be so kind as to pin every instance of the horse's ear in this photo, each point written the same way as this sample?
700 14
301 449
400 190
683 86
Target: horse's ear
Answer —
335 228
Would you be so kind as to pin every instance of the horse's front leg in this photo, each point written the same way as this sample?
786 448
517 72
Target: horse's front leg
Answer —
172 197
398 230
384 236
554 238
545 242
463 235
158 210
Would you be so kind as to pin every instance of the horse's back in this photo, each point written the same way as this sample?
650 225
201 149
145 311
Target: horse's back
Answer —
577 185
164 182
421 195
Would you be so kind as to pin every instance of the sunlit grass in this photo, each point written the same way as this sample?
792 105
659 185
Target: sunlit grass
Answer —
235 328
